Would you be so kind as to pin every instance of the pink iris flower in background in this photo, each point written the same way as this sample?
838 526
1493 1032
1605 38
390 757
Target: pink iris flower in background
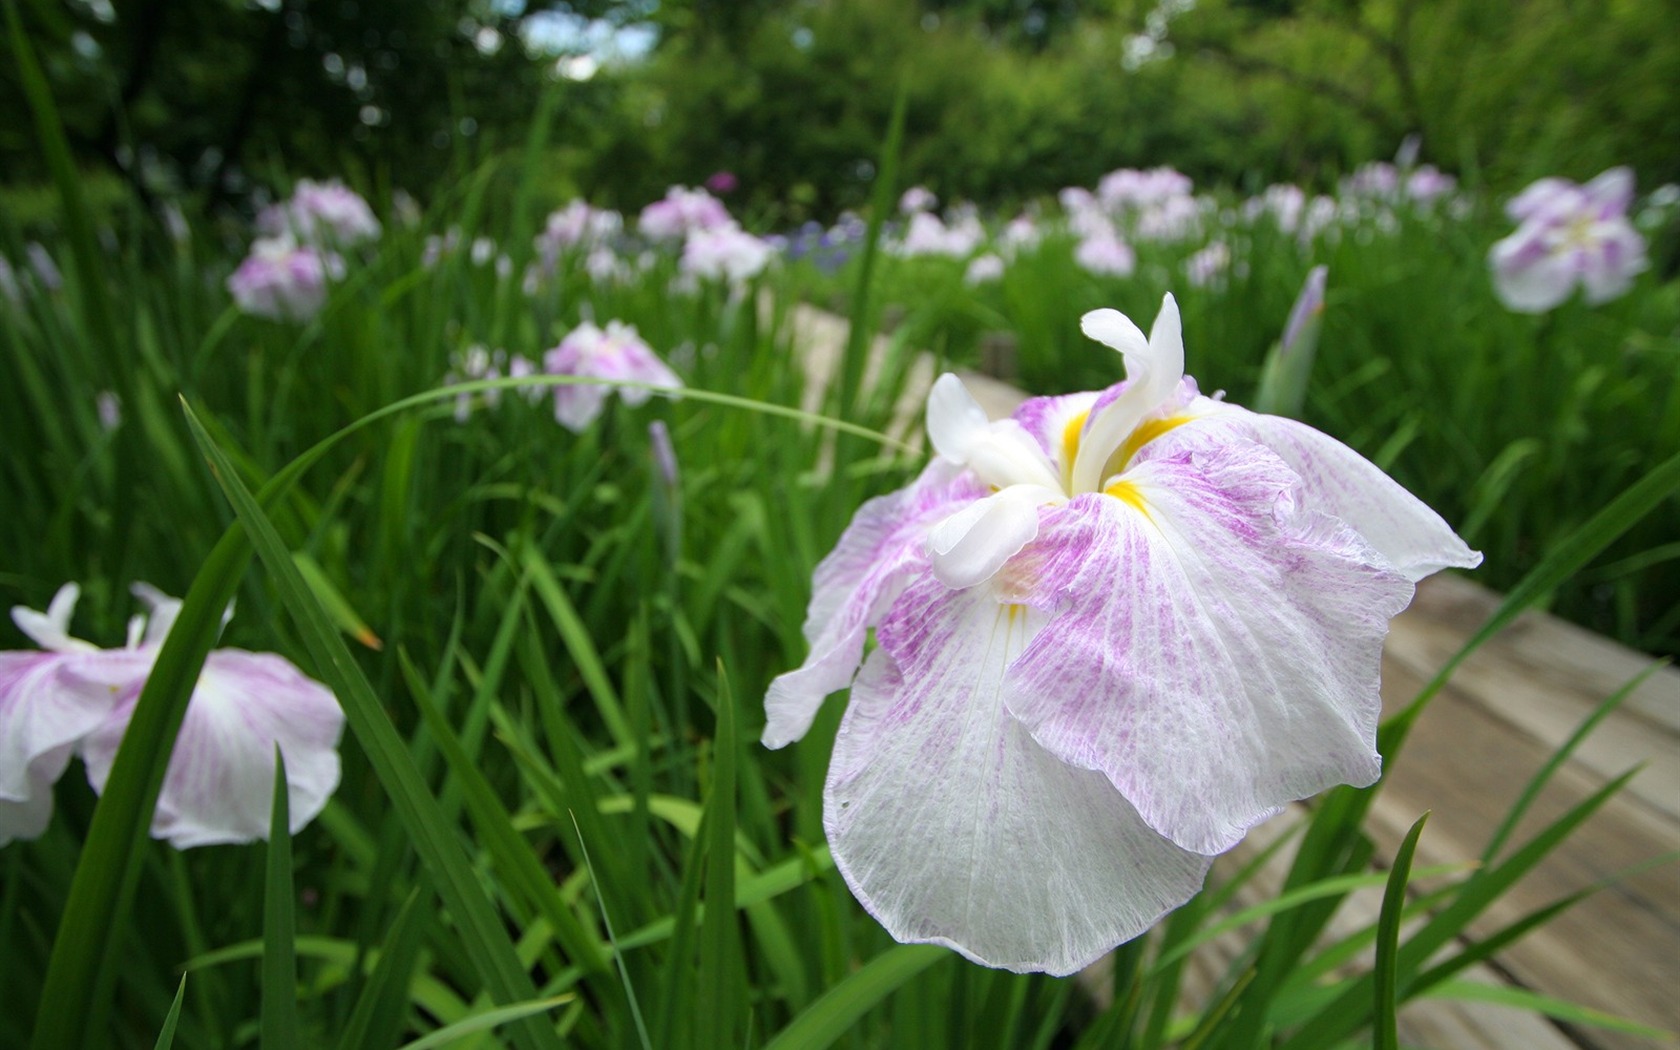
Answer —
1568 235
74 698
725 253
327 213
616 353
679 212
283 280
1113 633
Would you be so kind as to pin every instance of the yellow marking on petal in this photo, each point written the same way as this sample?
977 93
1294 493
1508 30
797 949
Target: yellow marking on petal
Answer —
1146 432
1015 611
1127 492
1070 447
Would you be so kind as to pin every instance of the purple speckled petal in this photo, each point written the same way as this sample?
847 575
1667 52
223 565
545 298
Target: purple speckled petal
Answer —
952 827
1337 481
1047 418
1216 653
220 781
42 721
1526 280
853 587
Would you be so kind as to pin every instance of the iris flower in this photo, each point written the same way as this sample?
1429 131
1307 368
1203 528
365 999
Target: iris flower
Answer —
1568 235
74 697
1112 633
615 353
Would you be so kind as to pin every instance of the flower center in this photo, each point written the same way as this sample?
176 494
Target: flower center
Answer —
1120 458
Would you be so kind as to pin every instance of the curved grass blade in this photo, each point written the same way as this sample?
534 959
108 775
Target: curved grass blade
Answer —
482 933
831 1016
483 1022
1386 1031
377 1018
1523 999
279 1023
166 1034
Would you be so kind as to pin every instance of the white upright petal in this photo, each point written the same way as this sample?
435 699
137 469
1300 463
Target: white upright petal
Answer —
970 546
1216 655
955 421
1166 351
1114 329
952 827
220 782
51 630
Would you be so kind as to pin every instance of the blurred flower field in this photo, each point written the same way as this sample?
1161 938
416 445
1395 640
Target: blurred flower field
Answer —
534 498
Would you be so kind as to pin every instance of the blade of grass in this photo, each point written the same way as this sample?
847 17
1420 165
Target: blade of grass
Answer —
279 1027
1534 1002
166 1034
377 1019
832 1015
485 1021
482 933
1386 1031
720 990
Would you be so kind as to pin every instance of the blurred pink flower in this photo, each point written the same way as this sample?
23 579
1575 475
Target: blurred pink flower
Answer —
1105 254
324 213
681 211
722 182
616 354
283 280
1568 235
725 253
983 270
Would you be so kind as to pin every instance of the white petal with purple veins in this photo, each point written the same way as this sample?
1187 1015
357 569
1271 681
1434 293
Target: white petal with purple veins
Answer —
1237 672
1338 481
219 784
952 826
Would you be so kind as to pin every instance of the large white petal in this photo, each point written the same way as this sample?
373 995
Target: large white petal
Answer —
220 782
1338 481
1216 653
952 826
42 718
853 587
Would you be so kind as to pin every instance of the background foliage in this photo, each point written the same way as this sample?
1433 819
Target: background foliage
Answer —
1009 99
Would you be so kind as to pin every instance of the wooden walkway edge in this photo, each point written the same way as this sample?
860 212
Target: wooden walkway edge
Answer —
1505 713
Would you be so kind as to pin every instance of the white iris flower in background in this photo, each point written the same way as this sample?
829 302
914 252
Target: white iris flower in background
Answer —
1114 632
73 697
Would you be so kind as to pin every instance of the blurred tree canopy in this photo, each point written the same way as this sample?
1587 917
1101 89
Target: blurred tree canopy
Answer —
1008 99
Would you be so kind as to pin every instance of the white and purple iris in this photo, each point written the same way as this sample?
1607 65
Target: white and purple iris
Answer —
1568 235
72 697
1113 633
283 280
617 354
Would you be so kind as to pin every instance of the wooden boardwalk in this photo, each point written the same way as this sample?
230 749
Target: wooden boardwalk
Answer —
1505 713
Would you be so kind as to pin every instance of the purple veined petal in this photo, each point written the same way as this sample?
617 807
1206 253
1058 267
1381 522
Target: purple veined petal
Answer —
853 587
971 545
1528 282
1617 257
1610 193
951 826
1215 652
220 782
1047 419
1335 480
42 720
1540 196
955 421
577 405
